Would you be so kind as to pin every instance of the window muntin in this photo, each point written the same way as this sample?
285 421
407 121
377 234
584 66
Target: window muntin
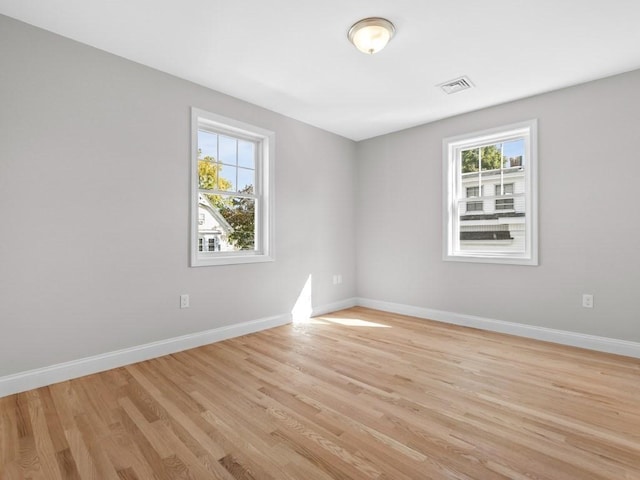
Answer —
232 194
501 162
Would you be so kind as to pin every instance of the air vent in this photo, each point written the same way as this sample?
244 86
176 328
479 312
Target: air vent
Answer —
457 85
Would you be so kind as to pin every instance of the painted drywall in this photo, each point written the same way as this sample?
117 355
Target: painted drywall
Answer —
94 207
589 233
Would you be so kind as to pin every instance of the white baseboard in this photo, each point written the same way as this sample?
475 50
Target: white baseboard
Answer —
40 377
334 307
591 342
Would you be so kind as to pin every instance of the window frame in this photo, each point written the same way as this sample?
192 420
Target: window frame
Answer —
264 190
453 192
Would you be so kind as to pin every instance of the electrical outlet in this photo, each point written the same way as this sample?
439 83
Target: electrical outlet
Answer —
587 300
184 301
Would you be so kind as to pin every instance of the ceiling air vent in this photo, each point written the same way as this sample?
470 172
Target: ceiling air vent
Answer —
456 85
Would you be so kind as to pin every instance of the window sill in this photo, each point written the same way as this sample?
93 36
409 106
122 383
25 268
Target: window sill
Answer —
215 260
478 257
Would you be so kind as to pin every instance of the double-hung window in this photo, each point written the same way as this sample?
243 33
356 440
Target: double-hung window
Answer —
231 191
478 227
504 200
474 206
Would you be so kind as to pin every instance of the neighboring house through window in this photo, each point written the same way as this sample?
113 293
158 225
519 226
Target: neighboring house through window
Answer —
481 228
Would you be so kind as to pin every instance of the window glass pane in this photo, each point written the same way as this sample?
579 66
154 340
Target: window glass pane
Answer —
246 154
246 180
228 225
228 150
469 160
514 153
207 145
213 231
491 157
487 157
239 213
227 178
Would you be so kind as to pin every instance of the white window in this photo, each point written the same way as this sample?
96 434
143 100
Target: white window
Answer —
471 193
503 230
231 191
504 200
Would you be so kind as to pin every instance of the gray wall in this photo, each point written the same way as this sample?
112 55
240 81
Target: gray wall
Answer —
94 207
94 161
589 228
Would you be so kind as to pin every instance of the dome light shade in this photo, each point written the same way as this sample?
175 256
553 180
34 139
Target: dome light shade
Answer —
371 35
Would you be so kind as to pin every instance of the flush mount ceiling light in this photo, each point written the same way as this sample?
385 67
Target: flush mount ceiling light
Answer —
371 35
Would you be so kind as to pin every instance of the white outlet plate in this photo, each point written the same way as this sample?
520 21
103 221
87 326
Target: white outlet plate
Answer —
184 301
587 300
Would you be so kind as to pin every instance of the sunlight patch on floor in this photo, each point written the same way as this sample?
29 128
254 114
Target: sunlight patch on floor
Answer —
349 322
303 309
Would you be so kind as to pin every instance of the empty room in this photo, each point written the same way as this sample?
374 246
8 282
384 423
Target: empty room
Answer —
390 240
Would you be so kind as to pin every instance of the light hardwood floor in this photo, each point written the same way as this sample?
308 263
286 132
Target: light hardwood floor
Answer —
358 394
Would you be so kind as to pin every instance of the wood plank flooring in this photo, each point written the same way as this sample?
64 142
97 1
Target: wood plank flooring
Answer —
357 394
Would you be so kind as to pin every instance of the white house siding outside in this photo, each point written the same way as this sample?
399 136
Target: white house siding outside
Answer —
490 220
213 229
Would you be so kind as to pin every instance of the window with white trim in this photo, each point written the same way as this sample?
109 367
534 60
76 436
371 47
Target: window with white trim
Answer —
477 227
474 206
504 201
231 191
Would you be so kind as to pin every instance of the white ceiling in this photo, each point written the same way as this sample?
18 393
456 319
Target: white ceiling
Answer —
293 56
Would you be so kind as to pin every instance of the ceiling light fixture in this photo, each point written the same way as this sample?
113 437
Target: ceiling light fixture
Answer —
371 35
